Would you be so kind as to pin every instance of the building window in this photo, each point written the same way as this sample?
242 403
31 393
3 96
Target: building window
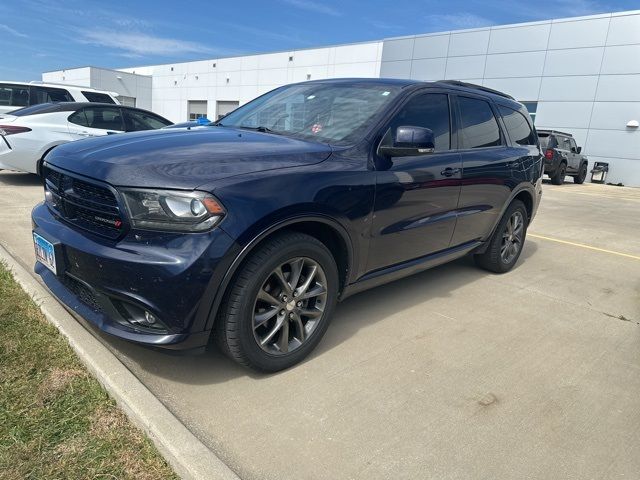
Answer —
531 108
197 109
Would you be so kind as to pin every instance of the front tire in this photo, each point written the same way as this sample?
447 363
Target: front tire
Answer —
507 241
279 304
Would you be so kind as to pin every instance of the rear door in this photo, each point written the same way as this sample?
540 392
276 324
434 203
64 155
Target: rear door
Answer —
489 168
416 196
95 122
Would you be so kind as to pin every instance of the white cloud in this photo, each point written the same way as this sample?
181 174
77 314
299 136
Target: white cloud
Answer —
135 43
8 29
457 21
313 6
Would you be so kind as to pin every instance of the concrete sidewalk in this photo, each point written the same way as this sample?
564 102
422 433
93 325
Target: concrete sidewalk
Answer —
452 373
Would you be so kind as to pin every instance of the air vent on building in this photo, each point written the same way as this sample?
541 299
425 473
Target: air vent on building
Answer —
214 65
291 59
308 76
172 69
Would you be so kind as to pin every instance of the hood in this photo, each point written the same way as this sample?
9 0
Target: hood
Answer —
181 158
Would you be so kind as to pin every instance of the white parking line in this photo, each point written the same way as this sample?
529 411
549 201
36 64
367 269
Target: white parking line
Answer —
582 245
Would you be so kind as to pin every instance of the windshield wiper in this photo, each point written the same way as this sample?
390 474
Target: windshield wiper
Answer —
260 129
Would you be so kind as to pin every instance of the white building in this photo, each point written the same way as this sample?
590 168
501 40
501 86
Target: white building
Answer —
580 75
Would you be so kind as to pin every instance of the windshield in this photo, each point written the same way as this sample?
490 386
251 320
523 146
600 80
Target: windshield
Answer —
326 112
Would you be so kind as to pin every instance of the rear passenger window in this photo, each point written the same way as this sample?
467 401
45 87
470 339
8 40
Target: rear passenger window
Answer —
431 111
518 127
96 97
49 94
104 118
79 118
14 95
479 126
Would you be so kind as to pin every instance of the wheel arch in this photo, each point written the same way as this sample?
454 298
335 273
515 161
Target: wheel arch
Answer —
331 233
526 195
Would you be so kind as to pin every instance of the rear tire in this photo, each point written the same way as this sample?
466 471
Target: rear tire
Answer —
582 175
264 322
558 177
505 245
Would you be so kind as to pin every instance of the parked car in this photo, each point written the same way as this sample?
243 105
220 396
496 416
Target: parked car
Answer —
562 157
251 230
28 134
14 95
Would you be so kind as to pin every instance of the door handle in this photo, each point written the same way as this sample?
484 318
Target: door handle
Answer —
513 164
450 172
84 134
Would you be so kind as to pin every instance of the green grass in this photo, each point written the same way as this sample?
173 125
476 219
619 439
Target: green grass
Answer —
56 421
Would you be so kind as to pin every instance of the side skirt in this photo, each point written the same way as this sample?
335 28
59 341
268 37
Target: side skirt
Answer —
404 269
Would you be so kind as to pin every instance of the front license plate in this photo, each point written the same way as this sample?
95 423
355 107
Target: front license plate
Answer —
45 253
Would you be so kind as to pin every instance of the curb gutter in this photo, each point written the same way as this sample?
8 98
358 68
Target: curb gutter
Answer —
188 456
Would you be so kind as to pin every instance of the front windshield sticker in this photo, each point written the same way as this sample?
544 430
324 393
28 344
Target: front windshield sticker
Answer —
384 94
316 128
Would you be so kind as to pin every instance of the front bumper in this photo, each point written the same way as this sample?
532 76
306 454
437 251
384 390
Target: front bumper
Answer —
172 276
550 166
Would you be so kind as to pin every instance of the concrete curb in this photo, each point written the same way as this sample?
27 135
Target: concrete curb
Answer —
188 456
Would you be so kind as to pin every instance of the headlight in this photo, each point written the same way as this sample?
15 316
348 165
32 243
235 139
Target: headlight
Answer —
172 210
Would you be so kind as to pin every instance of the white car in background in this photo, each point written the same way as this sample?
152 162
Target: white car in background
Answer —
28 134
15 95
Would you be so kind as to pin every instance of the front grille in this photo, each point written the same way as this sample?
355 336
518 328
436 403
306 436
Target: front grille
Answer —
80 290
84 204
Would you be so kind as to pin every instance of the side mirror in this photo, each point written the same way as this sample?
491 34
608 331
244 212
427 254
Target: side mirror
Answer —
410 141
579 150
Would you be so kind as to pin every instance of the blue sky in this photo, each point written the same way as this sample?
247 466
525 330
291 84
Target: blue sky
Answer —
41 35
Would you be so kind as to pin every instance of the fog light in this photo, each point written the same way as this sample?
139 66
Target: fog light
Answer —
149 318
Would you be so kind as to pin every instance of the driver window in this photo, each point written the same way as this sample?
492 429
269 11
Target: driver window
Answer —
429 110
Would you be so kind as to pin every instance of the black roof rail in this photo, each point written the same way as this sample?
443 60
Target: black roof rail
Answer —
458 83
552 132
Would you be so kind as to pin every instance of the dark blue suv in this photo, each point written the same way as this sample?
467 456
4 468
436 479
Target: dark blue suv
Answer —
248 231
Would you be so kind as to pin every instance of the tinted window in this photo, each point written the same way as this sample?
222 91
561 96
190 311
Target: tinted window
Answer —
518 127
14 95
479 126
429 111
104 118
49 94
544 139
79 118
98 97
136 120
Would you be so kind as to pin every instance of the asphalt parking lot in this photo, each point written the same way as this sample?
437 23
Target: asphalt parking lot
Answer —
452 373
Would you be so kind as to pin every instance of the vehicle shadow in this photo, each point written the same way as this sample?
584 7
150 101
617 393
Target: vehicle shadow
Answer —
18 179
353 314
